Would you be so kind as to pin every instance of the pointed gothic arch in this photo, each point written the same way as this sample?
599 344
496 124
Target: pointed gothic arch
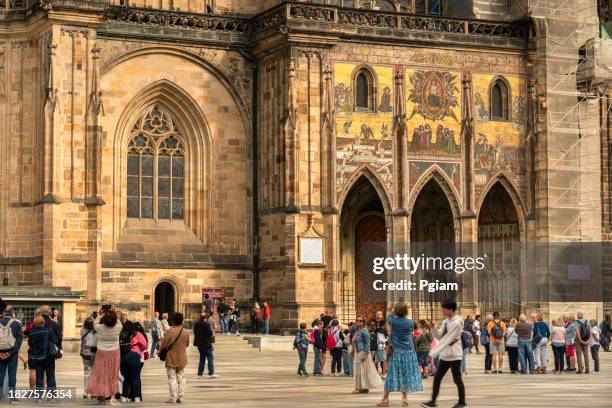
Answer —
370 175
505 181
196 138
436 174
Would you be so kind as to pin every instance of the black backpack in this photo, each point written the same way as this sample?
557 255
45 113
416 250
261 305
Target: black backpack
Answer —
585 333
467 341
125 343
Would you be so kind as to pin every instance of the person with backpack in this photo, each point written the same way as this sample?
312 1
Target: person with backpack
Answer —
423 345
497 334
88 351
347 337
484 340
450 351
132 345
541 334
11 337
467 341
524 330
512 346
583 334
468 326
300 343
334 346
318 346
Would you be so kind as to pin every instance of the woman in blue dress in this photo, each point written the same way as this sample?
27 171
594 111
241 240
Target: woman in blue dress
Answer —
403 371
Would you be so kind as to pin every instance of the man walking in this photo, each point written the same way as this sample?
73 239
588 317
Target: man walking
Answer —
496 329
203 340
157 332
583 334
11 337
450 352
524 330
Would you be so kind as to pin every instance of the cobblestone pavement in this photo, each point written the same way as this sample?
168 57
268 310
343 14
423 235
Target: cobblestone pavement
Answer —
248 378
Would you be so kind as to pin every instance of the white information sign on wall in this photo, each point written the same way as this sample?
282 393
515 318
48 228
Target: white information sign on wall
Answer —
311 250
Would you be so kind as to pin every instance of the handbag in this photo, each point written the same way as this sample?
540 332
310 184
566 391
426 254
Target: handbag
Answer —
389 351
163 353
54 350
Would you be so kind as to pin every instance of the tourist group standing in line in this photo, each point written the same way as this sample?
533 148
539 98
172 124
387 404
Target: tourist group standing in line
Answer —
573 339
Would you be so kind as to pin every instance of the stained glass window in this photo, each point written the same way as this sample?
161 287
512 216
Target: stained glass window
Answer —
155 168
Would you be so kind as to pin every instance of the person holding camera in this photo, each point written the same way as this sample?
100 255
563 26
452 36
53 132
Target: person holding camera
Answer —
89 341
105 371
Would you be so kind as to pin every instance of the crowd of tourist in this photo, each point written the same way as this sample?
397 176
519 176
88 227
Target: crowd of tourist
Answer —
401 355
383 351
573 339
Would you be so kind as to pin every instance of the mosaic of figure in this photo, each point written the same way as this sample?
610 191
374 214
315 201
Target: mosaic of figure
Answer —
343 99
482 114
385 101
434 95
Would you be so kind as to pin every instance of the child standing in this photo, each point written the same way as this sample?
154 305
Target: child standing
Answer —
347 338
300 343
380 356
423 345
594 344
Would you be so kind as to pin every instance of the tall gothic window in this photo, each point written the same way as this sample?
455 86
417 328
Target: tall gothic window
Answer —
155 168
500 100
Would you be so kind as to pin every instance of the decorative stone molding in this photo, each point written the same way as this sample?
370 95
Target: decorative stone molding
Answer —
288 15
164 18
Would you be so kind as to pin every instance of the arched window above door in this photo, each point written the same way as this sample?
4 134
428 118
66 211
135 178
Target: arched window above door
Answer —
155 167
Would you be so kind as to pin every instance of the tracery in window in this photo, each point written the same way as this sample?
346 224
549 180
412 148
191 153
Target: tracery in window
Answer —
155 168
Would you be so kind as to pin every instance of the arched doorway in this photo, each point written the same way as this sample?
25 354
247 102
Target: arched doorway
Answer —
499 288
165 298
432 233
362 221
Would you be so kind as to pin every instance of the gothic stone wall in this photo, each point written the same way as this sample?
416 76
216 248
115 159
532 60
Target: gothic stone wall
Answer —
309 185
